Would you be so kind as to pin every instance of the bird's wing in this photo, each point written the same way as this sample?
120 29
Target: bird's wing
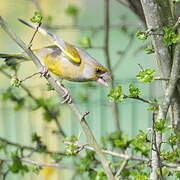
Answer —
69 51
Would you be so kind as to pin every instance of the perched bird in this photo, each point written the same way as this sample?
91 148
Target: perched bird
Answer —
65 61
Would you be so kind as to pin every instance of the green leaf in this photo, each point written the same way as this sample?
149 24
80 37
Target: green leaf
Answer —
15 82
115 94
40 146
160 126
17 166
146 76
170 157
178 175
169 37
57 157
153 106
37 18
134 92
165 171
72 10
49 87
12 94
85 42
87 164
149 49
35 137
140 143
117 140
72 146
35 169
172 139
141 36
101 175
50 108
82 97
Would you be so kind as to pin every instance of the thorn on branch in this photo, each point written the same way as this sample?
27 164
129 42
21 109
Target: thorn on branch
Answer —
84 115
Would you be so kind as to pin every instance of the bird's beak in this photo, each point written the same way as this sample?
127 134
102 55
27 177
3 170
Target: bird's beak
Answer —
102 78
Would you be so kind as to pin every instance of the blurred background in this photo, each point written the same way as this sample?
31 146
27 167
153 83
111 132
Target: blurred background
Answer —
81 26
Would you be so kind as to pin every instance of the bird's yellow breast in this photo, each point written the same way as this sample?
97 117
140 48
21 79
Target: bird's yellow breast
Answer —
61 67
53 65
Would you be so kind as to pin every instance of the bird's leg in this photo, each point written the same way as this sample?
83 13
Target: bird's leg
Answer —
44 71
66 96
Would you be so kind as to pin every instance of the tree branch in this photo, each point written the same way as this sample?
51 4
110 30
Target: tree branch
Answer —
123 165
158 14
123 155
29 148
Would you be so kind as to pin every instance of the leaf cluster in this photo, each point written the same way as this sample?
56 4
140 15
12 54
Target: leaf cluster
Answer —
146 76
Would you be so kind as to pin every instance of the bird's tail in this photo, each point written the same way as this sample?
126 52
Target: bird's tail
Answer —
12 59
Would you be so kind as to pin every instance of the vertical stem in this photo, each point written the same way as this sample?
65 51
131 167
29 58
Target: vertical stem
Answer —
108 62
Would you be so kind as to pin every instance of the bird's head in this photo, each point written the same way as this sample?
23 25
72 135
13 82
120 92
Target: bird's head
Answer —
93 70
102 75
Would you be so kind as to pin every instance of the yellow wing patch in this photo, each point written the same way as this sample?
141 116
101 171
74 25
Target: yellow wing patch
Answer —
71 53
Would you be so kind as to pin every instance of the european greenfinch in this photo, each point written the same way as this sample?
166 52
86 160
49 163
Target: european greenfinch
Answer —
65 61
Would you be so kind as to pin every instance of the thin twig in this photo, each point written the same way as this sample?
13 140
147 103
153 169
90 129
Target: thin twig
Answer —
124 156
123 165
28 77
156 147
29 148
161 79
85 146
41 165
108 62
141 67
140 99
30 43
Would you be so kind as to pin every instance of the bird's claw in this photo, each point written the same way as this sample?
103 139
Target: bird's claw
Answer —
44 72
67 97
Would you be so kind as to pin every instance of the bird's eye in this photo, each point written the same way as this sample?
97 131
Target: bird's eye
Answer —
98 71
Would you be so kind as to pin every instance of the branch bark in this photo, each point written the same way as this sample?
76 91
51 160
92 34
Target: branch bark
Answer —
53 83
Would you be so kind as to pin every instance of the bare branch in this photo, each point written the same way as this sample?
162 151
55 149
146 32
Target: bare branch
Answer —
158 14
29 148
108 62
140 99
123 165
156 147
124 156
